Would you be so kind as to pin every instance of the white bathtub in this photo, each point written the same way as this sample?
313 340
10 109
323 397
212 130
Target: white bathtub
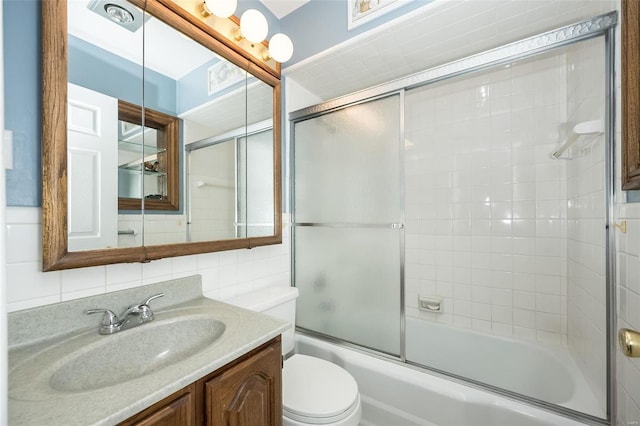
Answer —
547 373
397 395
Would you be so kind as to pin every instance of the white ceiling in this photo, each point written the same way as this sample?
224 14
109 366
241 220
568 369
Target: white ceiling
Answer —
282 8
170 53
159 40
435 34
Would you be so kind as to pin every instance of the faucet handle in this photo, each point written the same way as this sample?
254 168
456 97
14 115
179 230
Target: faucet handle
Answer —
146 314
153 297
110 322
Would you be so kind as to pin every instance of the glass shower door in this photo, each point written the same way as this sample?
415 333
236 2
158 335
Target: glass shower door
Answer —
347 224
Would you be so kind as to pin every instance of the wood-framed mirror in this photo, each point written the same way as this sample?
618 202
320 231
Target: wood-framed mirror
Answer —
148 159
232 90
630 32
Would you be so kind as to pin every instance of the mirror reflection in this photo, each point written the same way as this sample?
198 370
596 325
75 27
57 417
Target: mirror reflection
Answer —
130 204
237 186
130 168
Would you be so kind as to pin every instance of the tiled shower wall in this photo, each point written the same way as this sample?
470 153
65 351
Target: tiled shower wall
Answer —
486 216
224 275
628 301
586 203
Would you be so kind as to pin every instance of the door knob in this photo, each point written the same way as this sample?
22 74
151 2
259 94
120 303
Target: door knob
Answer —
629 342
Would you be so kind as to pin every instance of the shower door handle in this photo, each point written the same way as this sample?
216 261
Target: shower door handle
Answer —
629 342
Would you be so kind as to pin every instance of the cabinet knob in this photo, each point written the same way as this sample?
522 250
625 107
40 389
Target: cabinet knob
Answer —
629 342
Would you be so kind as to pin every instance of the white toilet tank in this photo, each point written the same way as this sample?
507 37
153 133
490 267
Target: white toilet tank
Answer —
278 302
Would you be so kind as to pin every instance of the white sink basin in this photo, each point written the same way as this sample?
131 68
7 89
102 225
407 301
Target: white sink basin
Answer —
134 353
89 361
63 372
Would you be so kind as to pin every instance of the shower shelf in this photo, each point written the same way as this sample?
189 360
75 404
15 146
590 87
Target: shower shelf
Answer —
593 127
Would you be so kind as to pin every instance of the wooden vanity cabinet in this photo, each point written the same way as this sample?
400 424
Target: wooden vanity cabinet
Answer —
176 409
245 392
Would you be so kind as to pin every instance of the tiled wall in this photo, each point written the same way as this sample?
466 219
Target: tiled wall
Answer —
627 281
485 205
586 250
628 301
224 274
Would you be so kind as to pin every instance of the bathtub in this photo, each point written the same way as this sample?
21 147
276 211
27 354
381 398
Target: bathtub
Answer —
547 373
394 394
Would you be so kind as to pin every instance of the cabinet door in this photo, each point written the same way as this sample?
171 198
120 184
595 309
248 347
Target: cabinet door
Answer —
175 410
248 393
630 94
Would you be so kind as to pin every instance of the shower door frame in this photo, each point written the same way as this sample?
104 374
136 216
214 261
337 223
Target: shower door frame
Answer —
400 225
599 26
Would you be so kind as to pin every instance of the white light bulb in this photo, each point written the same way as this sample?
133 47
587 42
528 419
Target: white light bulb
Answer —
221 8
254 26
280 47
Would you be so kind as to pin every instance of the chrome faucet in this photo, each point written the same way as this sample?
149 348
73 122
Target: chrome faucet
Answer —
133 316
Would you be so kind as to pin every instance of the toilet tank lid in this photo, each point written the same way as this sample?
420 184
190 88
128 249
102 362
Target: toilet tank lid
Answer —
261 300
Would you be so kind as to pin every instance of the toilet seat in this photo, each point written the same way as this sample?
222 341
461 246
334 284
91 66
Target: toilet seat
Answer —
316 391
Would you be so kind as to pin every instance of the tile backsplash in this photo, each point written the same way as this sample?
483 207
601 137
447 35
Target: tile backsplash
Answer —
224 274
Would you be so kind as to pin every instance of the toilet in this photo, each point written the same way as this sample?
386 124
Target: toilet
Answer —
314 391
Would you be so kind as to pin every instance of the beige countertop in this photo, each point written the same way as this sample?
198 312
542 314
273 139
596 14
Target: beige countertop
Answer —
35 399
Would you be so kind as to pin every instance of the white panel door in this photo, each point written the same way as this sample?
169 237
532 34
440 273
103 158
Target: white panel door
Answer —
92 164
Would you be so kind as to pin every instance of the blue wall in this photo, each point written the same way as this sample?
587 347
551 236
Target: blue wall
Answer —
97 69
321 24
23 89
23 100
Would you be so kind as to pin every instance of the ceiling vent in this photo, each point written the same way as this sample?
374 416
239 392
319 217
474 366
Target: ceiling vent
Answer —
120 12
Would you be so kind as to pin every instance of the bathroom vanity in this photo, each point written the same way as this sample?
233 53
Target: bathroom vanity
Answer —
199 361
247 391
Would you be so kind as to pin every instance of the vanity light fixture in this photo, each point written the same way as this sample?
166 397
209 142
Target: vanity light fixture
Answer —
253 28
280 48
219 8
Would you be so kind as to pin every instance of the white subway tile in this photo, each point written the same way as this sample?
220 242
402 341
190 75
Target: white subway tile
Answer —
123 273
32 303
502 314
156 270
72 295
29 282
24 243
524 300
549 322
502 297
549 303
184 265
81 279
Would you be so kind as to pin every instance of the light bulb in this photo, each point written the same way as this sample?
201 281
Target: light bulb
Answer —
280 47
254 26
221 8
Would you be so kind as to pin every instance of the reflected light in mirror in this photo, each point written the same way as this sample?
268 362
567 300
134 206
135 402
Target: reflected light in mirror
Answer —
254 26
221 8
